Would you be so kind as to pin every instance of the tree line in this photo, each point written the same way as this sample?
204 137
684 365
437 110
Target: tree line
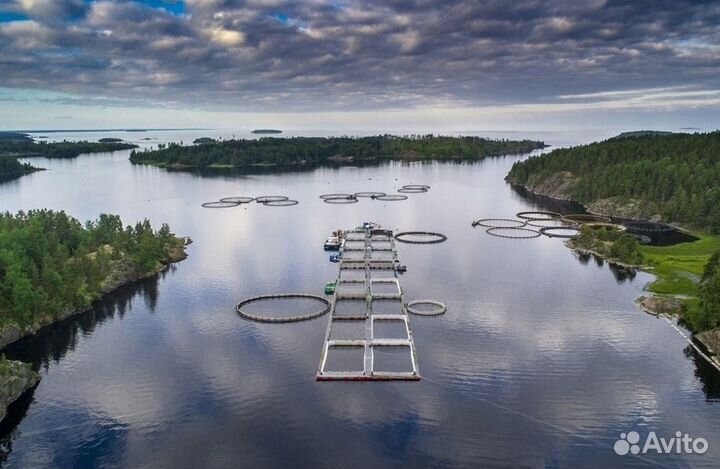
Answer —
674 175
324 150
50 263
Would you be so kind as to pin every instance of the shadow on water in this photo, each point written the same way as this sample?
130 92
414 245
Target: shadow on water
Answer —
8 426
706 373
51 343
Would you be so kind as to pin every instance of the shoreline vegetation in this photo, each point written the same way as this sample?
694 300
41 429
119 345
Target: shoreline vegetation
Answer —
647 176
17 145
53 267
309 152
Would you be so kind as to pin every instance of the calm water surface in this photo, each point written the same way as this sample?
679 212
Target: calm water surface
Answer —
541 361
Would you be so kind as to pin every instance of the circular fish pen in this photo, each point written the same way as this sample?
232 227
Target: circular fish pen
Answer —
648 227
282 319
560 231
513 232
391 197
435 238
499 223
220 204
341 201
337 196
424 187
550 223
411 190
280 203
538 215
586 218
238 200
370 194
270 198
439 308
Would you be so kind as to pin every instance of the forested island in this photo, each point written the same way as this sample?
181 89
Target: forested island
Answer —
671 177
15 145
52 267
314 151
267 131
647 175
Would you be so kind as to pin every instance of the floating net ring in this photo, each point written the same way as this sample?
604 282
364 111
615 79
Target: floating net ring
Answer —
341 201
238 200
587 218
281 319
270 198
550 223
391 197
539 215
280 203
520 233
337 196
416 186
220 204
435 237
499 223
408 190
607 226
371 194
440 308
552 231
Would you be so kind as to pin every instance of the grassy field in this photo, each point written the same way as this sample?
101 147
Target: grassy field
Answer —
679 267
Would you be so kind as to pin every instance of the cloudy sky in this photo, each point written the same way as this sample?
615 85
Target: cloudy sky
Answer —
398 64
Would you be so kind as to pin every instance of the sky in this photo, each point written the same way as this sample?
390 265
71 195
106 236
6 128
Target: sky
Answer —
395 65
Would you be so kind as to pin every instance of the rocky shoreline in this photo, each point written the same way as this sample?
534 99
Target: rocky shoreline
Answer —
16 378
558 188
122 274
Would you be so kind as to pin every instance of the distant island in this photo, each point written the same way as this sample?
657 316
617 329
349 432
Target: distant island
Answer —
204 140
306 152
267 131
642 133
658 176
17 145
110 140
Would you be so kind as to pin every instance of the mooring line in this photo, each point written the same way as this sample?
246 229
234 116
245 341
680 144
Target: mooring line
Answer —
509 410
692 344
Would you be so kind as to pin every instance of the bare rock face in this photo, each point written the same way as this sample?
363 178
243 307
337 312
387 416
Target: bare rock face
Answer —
711 340
625 208
657 305
558 186
15 379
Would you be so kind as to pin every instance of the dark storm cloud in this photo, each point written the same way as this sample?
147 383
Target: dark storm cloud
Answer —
276 55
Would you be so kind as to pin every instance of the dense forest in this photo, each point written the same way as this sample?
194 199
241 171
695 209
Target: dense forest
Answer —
64 149
319 150
674 175
11 168
705 314
51 264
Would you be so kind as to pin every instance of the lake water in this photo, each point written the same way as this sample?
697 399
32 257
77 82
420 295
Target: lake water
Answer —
542 359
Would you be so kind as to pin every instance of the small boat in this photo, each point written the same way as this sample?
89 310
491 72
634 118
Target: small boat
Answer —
333 243
334 257
330 288
401 268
